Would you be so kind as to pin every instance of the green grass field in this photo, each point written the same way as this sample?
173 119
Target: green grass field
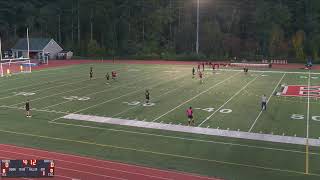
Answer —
227 100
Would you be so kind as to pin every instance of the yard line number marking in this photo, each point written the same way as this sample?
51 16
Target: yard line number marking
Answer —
76 98
301 117
275 88
24 93
136 103
225 111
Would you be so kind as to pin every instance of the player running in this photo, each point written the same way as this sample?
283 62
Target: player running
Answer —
147 96
200 76
193 72
203 66
245 70
264 102
91 72
198 67
107 77
28 114
190 116
114 75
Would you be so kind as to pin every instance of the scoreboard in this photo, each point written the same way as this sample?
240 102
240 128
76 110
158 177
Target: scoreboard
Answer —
27 168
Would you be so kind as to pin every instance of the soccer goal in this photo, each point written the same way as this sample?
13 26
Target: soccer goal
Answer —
12 66
15 66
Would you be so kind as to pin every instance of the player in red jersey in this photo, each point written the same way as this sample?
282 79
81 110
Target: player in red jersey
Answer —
201 76
190 116
114 75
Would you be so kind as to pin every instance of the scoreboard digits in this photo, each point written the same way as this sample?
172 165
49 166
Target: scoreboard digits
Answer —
27 168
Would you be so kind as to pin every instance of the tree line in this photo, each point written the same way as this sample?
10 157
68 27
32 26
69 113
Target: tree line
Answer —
251 29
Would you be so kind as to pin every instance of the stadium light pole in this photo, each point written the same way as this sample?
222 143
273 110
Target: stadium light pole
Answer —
197 43
28 43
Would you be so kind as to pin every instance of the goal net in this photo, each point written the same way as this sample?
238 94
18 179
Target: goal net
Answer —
15 66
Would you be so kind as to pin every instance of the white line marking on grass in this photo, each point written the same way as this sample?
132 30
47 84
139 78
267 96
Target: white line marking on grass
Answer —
182 138
63 102
261 71
33 109
275 88
84 88
65 84
108 146
124 111
109 100
82 164
308 107
194 97
54 94
194 130
307 138
205 120
31 85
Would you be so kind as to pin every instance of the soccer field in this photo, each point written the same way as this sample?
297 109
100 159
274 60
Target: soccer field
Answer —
232 138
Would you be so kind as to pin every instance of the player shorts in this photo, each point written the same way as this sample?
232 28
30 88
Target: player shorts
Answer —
27 109
190 117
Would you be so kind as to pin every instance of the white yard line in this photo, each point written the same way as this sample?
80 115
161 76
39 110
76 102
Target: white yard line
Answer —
53 105
195 130
71 91
261 71
127 94
154 98
34 109
72 77
97 92
65 84
205 120
194 97
308 107
36 71
53 95
275 88
182 138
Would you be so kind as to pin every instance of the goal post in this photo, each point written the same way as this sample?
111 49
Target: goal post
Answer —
15 66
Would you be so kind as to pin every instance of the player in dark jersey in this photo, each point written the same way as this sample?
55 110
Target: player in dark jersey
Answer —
91 72
28 114
245 70
147 96
203 66
107 76
198 67
193 72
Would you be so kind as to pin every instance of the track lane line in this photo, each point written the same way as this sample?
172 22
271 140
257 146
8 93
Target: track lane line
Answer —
145 171
159 153
88 167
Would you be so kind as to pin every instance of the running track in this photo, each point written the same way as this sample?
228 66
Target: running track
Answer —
76 167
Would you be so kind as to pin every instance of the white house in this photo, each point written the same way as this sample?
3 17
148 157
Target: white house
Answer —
38 48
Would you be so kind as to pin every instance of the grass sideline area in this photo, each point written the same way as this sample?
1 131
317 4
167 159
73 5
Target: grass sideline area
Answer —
228 99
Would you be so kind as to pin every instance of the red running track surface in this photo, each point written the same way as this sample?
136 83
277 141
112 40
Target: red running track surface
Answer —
83 168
